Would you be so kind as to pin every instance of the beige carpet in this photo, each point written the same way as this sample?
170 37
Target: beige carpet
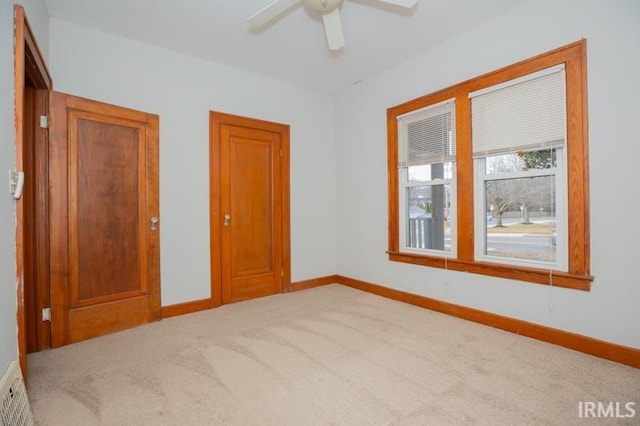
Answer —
325 356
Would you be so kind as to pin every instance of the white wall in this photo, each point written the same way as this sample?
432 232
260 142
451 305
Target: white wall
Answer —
38 16
8 347
36 8
182 90
611 311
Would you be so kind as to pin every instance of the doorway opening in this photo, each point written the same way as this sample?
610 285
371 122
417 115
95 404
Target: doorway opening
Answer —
32 83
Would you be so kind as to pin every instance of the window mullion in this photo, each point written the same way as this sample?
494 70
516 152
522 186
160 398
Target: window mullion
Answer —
521 174
464 177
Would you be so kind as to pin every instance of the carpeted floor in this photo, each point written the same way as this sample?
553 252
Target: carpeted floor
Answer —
326 356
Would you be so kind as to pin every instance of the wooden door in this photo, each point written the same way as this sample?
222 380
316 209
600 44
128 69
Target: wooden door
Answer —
104 236
249 208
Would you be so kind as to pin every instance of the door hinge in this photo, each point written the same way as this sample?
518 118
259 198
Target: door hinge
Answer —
280 152
44 121
282 272
46 314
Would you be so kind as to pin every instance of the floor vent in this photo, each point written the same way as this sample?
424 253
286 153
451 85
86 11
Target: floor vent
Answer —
14 403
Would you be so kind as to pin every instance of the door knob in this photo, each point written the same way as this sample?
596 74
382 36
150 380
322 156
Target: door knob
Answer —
154 222
227 218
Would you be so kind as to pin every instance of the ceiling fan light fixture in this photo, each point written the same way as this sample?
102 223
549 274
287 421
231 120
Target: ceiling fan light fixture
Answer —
323 6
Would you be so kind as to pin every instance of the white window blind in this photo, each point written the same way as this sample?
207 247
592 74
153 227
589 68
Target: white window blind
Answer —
524 114
428 135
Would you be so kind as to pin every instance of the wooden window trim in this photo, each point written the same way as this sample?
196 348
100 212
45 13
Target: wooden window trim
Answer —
578 275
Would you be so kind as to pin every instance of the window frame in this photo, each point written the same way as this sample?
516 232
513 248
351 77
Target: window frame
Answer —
404 164
405 184
577 274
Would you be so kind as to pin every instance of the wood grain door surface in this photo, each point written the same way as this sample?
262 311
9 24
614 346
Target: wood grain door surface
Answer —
250 218
103 194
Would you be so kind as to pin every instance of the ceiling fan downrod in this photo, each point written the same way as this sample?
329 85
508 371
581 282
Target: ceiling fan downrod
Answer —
323 6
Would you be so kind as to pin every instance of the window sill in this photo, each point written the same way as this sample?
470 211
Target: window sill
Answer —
521 273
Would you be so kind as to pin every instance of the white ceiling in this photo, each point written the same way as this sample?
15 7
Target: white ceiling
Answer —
293 47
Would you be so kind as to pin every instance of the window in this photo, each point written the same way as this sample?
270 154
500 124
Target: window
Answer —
490 176
517 135
426 169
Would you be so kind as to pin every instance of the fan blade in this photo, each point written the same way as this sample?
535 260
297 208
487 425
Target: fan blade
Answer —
270 12
402 3
333 29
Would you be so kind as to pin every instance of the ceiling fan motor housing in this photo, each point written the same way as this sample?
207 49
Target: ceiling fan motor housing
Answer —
323 6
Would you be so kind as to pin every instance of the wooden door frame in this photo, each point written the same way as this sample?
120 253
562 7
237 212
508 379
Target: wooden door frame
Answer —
28 61
216 119
36 224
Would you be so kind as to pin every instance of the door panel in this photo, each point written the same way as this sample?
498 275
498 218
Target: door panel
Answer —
248 204
251 174
107 166
103 194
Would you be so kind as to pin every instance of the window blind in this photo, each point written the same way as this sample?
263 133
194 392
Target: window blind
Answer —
524 114
428 135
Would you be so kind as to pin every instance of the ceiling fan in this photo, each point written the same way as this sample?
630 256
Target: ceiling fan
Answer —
330 15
